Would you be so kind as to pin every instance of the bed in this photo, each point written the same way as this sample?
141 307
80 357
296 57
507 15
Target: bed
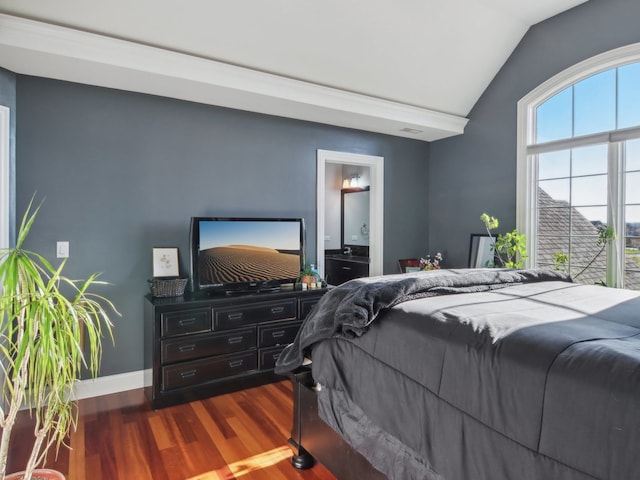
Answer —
471 374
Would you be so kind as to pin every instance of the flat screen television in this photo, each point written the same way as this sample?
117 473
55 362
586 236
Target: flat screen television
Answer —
245 254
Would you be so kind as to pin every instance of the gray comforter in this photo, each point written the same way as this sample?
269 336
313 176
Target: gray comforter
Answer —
349 309
521 376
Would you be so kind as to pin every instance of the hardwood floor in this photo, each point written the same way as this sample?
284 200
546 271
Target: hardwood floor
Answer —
238 436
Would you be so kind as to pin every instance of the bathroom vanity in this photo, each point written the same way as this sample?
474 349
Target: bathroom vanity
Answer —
340 268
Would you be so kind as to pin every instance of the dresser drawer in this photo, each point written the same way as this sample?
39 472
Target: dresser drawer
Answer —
280 334
268 357
208 369
197 346
185 322
241 315
306 305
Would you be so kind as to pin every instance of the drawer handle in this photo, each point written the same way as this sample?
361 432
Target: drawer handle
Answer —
236 363
278 334
235 316
234 340
188 373
187 348
187 321
346 268
277 309
276 355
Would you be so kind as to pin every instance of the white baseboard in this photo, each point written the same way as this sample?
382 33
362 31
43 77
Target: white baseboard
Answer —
112 384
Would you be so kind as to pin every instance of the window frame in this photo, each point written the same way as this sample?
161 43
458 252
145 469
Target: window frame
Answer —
528 149
5 176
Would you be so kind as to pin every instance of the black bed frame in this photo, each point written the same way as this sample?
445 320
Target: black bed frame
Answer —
313 440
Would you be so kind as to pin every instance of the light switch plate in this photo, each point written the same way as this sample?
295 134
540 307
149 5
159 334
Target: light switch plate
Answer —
62 249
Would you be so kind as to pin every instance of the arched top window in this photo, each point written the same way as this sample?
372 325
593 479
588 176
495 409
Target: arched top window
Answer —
579 170
603 102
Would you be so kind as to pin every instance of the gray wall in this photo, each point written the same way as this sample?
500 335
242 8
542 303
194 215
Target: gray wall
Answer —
122 172
476 172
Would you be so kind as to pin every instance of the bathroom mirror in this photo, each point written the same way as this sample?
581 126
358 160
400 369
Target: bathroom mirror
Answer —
355 217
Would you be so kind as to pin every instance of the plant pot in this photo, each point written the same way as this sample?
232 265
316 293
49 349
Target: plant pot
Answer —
308 279
38 474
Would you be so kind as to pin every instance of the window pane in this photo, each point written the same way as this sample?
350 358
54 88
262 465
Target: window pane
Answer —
632 231
589 160
587 220
632 279
632 187
554 221
629 96
557 190
633 257
547 246
584 250
632 219
595 103
632 248
590 276
554 164
589 190
554 117
632 153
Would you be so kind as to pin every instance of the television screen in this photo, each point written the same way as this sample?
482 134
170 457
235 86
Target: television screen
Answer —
245 253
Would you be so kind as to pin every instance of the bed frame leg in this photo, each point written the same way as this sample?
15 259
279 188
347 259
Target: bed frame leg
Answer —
302 460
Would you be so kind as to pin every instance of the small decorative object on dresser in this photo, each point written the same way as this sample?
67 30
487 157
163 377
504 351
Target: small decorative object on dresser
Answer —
310 278
431 263
307 276
165 262
409 265
166 281
415 265
481 254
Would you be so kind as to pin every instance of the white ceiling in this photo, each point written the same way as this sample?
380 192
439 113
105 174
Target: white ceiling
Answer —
378 65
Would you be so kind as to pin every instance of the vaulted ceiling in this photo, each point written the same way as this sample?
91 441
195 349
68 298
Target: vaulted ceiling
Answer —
412 68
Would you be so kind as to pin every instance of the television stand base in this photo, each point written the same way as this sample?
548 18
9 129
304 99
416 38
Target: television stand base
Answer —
248 291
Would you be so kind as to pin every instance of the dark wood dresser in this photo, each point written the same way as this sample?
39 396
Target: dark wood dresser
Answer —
204 346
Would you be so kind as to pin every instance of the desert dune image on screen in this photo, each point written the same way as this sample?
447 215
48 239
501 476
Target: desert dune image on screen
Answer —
252 251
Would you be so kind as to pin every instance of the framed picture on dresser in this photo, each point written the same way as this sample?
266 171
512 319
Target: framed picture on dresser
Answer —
165 262
481 252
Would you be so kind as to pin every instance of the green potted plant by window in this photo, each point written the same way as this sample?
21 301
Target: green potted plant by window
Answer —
42 333
510 248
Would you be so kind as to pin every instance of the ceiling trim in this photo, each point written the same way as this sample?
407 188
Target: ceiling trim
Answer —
35 48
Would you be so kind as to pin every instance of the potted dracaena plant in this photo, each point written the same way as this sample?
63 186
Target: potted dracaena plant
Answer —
45 319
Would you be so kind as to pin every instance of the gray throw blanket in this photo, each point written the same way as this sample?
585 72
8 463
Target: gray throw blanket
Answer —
348 310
